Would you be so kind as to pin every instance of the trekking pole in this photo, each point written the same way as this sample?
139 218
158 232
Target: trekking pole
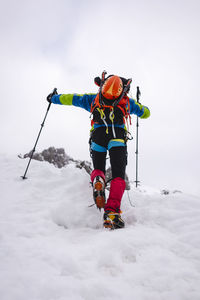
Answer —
42 125
138 94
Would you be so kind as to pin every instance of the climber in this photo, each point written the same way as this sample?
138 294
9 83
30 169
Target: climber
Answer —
111 110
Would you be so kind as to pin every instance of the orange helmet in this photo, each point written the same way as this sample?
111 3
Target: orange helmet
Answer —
112 88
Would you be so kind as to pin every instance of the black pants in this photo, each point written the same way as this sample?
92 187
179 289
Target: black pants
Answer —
118 161
118 155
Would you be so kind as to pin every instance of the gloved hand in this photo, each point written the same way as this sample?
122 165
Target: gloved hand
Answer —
49 97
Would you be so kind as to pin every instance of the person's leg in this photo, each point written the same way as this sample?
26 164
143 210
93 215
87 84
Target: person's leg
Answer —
99 164
99 151
98 178
118 161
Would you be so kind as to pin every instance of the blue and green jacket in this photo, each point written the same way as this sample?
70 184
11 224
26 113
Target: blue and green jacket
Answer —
86 100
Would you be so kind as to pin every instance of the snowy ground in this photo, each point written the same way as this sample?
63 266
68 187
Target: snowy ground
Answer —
53 246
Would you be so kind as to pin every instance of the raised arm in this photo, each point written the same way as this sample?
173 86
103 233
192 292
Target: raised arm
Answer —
138 109
84 101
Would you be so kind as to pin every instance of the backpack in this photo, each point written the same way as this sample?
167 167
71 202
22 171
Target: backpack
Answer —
111 112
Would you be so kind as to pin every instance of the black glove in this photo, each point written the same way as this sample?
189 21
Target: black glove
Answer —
49 97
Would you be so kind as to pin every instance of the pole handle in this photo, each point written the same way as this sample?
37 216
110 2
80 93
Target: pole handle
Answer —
138 94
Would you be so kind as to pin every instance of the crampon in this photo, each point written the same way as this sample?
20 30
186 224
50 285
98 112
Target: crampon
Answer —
113 220
99 192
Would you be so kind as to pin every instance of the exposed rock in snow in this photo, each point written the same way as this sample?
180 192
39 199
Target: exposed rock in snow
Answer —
55 156
167 192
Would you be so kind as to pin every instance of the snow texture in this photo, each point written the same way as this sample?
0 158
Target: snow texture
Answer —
53 246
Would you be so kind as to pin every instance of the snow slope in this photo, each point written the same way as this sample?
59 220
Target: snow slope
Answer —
53 246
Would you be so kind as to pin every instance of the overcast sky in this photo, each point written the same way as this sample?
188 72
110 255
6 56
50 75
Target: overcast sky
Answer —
65 44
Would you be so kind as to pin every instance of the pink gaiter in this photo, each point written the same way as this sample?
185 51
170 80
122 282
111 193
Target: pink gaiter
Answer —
95 173
117 188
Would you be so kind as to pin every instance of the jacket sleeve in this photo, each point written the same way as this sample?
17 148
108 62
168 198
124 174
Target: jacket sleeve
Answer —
84 101
138 109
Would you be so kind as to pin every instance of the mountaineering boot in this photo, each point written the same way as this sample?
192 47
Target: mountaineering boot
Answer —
98 183
99 192
113 220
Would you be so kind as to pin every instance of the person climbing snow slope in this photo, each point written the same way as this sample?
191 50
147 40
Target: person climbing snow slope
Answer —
110 109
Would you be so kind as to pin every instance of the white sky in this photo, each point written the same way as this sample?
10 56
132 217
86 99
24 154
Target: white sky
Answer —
65 44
